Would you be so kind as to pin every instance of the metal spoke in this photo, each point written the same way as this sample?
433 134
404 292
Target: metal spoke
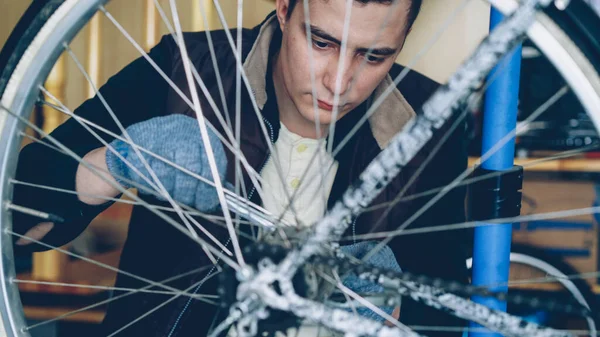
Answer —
488 222
405 145
100 139
164 160
175 205
261 120
37 140
238 91
553 279
146 314
195 285
94 262
439 32
90 286
211 217
182 95
112 299
254 176
368 304
325 169
227 126
256 214
337 281
33 212
530 163
205 139
316 111
398 79
339 73
54 218
438 328
117 186
449 132
468 171
155 178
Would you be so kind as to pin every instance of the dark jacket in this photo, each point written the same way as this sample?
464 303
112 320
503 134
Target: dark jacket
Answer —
156 251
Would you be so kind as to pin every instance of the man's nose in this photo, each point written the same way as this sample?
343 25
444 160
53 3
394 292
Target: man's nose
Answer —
342 66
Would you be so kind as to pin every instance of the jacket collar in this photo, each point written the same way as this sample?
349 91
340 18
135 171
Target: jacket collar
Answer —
388 119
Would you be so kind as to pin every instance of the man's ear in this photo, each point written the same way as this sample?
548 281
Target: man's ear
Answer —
282 7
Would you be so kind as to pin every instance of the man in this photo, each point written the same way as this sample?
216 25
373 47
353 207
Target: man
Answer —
276 60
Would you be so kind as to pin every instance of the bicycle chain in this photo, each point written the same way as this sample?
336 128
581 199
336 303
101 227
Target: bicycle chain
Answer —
436 292
279 321
465 290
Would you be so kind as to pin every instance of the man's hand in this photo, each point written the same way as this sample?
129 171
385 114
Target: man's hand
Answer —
396 315
91 189
176 138
36 233
384 258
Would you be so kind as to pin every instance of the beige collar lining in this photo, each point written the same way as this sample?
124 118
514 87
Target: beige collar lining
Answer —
388 119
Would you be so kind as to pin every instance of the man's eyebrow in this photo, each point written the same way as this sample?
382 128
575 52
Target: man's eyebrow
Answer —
318 32
378 51
385 51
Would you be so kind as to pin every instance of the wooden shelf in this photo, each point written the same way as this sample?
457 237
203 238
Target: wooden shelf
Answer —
76 272
559 165
81 272
548 287
42 313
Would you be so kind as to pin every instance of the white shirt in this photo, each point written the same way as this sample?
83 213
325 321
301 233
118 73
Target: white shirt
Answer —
293 154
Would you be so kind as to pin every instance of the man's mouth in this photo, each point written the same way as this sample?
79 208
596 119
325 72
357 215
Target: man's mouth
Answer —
325 106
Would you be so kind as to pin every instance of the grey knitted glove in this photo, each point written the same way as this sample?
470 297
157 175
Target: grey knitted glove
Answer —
176 138
385 259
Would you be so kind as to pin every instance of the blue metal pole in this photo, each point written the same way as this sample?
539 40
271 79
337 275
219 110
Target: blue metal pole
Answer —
492 243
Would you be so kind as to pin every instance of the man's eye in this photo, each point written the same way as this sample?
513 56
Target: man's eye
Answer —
374 59
320 44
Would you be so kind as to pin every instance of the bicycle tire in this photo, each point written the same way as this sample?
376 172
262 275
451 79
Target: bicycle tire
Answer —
25 30
552 265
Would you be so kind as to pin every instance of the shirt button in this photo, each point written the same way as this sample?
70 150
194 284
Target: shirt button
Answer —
295 183
301 148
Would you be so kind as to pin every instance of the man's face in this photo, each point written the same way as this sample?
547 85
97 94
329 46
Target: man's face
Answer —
327 25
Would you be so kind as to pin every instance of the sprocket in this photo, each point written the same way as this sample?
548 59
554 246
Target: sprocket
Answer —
278 321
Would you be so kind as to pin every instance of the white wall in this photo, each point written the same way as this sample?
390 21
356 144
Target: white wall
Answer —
455 43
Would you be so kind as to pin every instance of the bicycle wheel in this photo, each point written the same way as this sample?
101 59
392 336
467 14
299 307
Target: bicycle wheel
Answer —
555 32
543 265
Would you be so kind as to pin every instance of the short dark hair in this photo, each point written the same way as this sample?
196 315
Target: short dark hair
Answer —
413 12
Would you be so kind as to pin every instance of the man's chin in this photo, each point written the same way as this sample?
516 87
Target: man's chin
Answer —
324 118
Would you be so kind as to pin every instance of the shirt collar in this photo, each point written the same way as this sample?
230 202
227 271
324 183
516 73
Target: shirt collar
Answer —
292 139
